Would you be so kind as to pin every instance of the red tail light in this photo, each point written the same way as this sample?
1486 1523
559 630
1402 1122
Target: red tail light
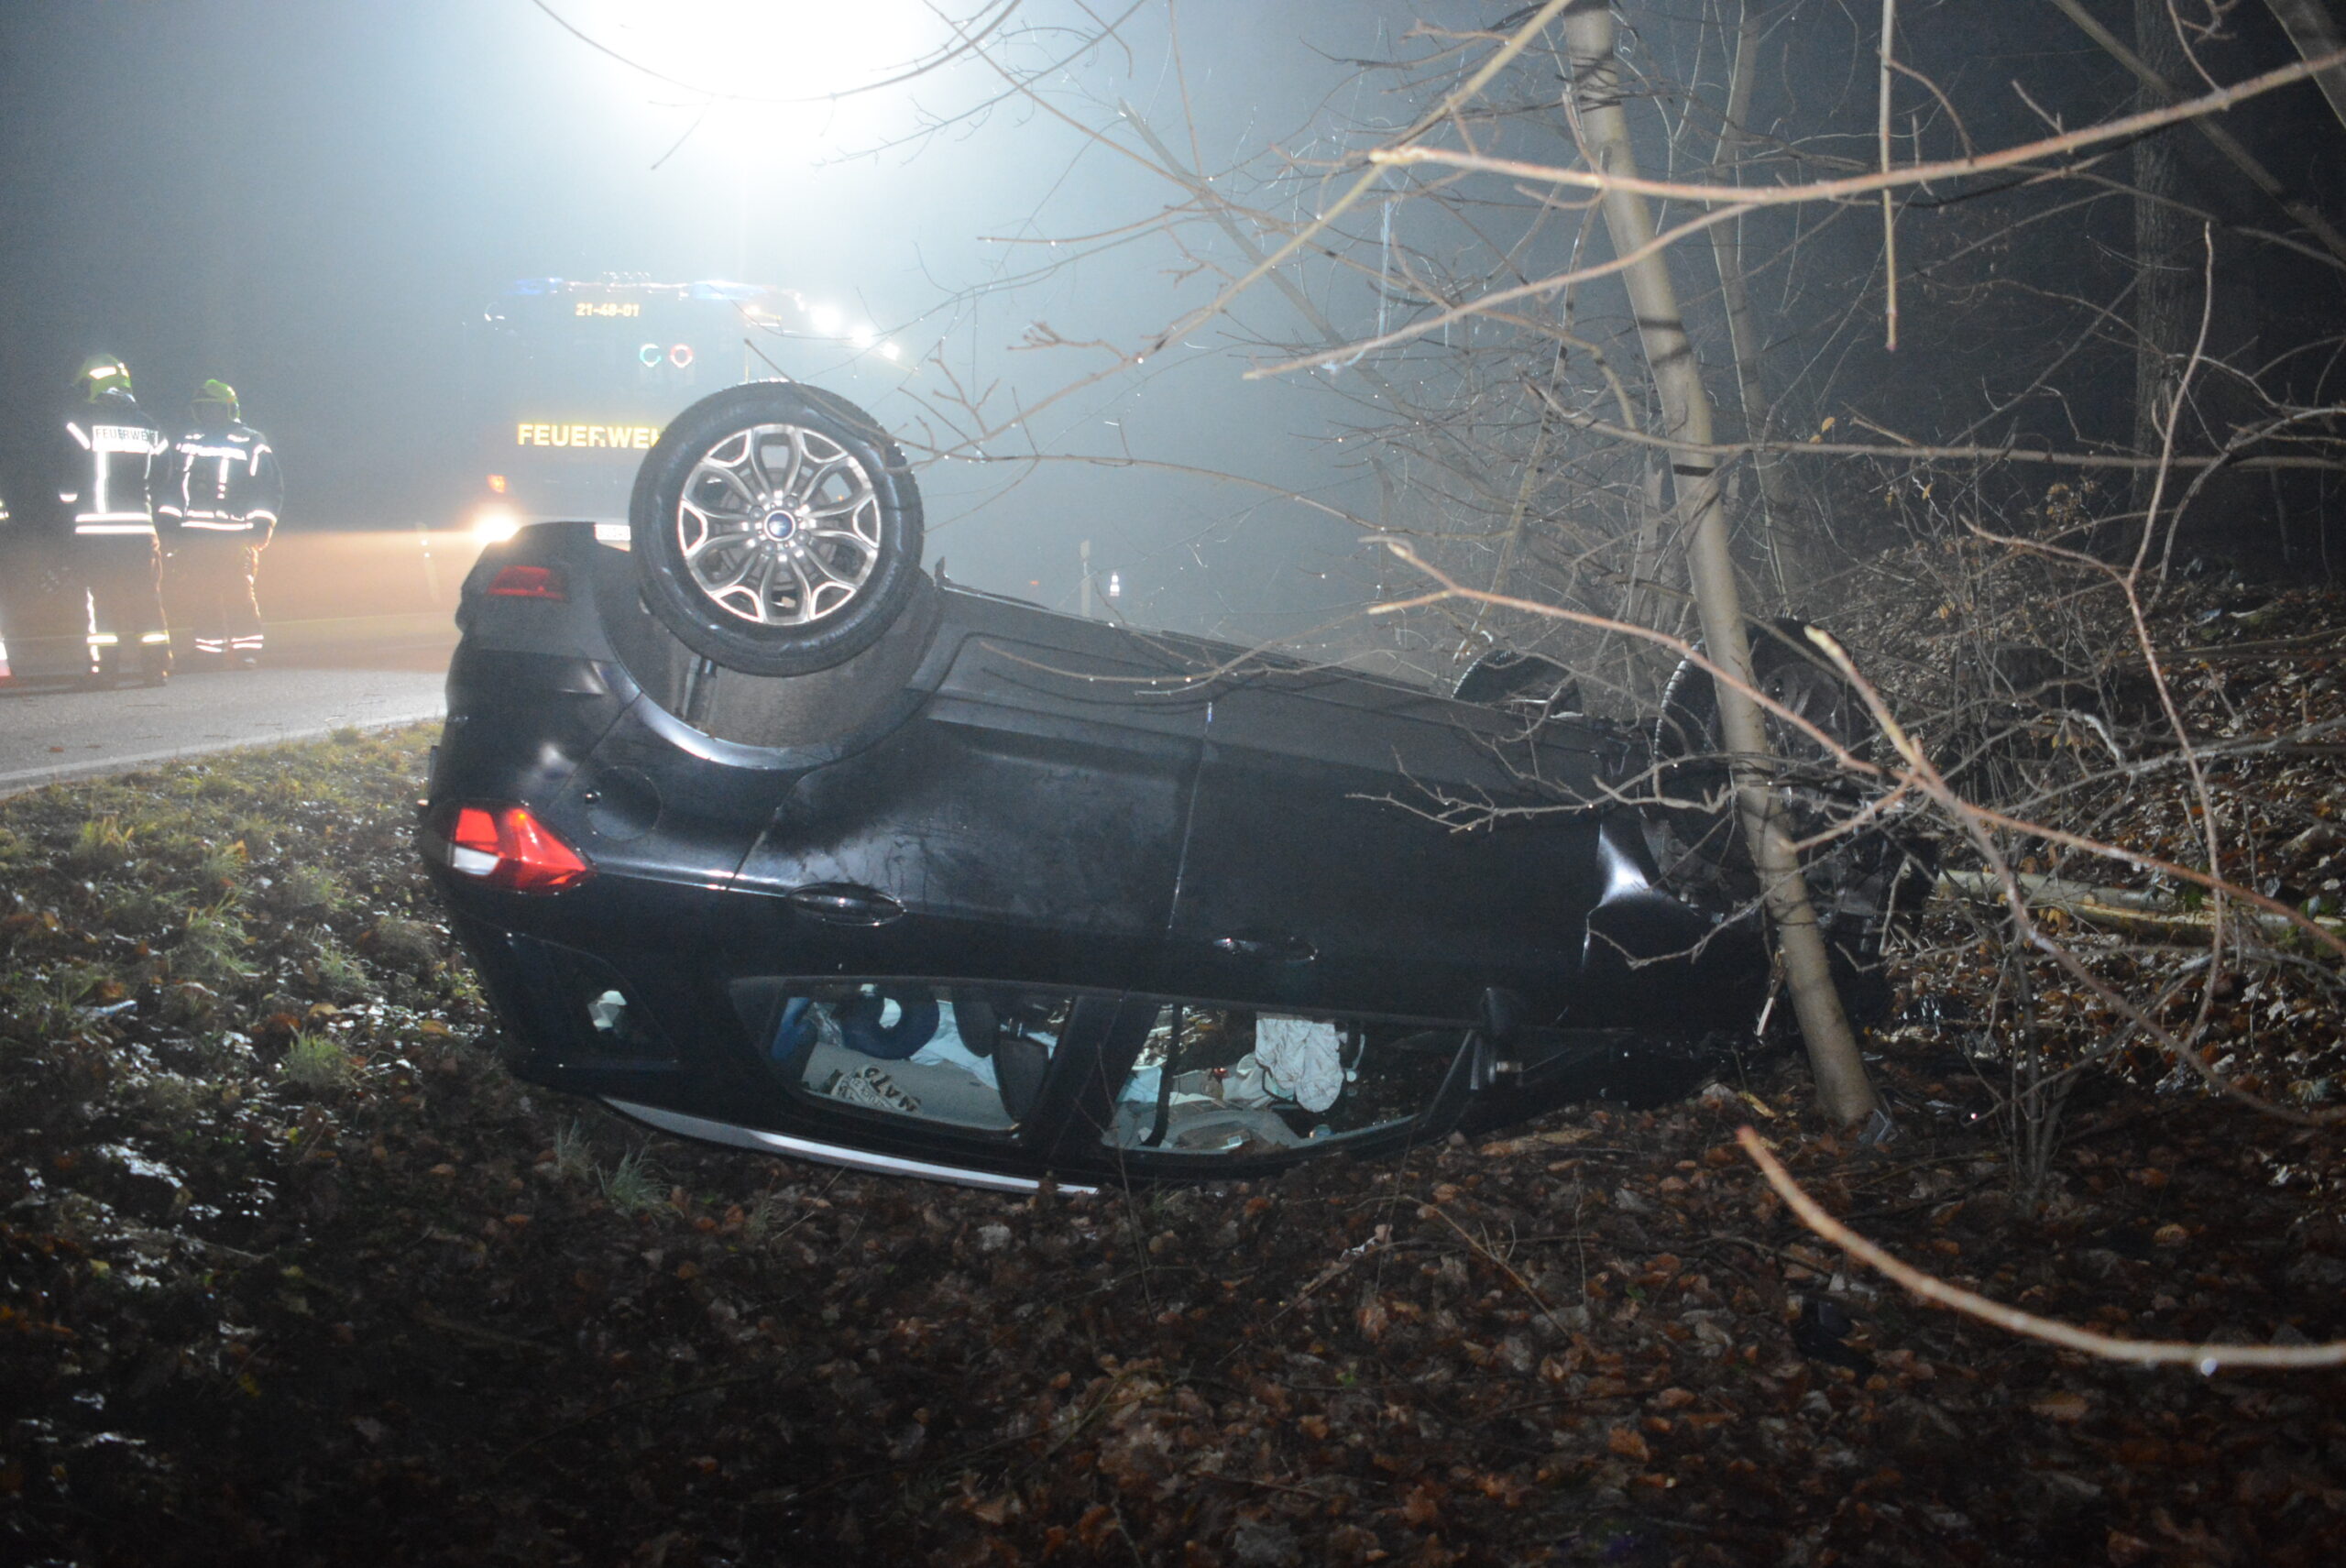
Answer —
529 583
506 847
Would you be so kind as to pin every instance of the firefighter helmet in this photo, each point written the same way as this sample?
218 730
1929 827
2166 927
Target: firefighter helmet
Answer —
101 374
215 401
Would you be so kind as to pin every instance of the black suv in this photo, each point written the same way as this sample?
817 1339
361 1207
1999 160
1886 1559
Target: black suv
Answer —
761 835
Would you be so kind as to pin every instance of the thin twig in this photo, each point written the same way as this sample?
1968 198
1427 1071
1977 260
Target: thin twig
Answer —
1888 208
1501 1265
2120 130
1912 452
2208 1358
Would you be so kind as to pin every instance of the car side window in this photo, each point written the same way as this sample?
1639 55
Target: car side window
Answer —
964 1055
1222 1080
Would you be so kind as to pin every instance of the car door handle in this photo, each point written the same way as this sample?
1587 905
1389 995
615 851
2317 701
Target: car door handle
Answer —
843 903
1268 948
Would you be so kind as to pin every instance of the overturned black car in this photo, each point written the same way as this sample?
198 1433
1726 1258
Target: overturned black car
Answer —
761 835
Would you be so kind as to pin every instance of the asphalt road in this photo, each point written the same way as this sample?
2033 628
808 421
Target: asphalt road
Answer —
360 627
66 734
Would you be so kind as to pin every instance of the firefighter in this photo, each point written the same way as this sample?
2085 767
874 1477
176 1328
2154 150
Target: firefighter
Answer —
105 450
221 502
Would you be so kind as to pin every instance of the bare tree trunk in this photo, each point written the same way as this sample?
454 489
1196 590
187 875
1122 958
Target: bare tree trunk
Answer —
1832 1053
2161 89
2163 314
1727 250
2310 28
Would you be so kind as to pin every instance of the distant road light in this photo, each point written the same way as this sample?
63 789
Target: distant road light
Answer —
889 351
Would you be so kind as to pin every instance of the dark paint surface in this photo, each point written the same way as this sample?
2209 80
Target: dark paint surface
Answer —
1055 803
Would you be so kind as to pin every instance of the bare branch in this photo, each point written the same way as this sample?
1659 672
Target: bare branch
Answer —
1866 185
2208 1359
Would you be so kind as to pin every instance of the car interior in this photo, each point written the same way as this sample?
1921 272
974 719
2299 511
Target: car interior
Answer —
1205 1079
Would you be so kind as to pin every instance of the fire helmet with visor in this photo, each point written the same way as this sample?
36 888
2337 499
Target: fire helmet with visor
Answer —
101 374
215 403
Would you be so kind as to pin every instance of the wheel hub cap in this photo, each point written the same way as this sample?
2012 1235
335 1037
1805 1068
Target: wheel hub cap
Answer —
779 525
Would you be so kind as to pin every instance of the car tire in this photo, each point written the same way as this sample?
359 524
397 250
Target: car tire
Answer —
1502 676
776 528
1789 670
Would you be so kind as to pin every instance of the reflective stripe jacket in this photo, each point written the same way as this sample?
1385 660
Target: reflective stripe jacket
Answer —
224 480
106 450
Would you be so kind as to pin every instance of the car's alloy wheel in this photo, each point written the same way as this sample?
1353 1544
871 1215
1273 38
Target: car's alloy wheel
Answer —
776 528
780 525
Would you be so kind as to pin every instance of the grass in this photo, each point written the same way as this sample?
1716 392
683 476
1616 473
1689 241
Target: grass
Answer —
222 785
633 1186
103 843
171 1099
402 943
306 890
135 907
339 973
221 865
315 1061
222 898
190 1004
766 1214
36 1009
257 832
212 950
574 1159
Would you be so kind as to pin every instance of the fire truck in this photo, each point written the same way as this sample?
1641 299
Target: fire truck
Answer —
572 380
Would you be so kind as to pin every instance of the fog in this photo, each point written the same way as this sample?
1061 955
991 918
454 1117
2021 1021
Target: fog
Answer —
311 200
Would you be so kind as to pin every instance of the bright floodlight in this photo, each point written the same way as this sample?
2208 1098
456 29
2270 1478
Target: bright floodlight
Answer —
827 319
495 525
773 73
862 336
757 50
889 351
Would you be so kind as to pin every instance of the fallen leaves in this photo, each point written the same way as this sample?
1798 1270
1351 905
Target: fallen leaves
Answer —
1629 1444
1562 1341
